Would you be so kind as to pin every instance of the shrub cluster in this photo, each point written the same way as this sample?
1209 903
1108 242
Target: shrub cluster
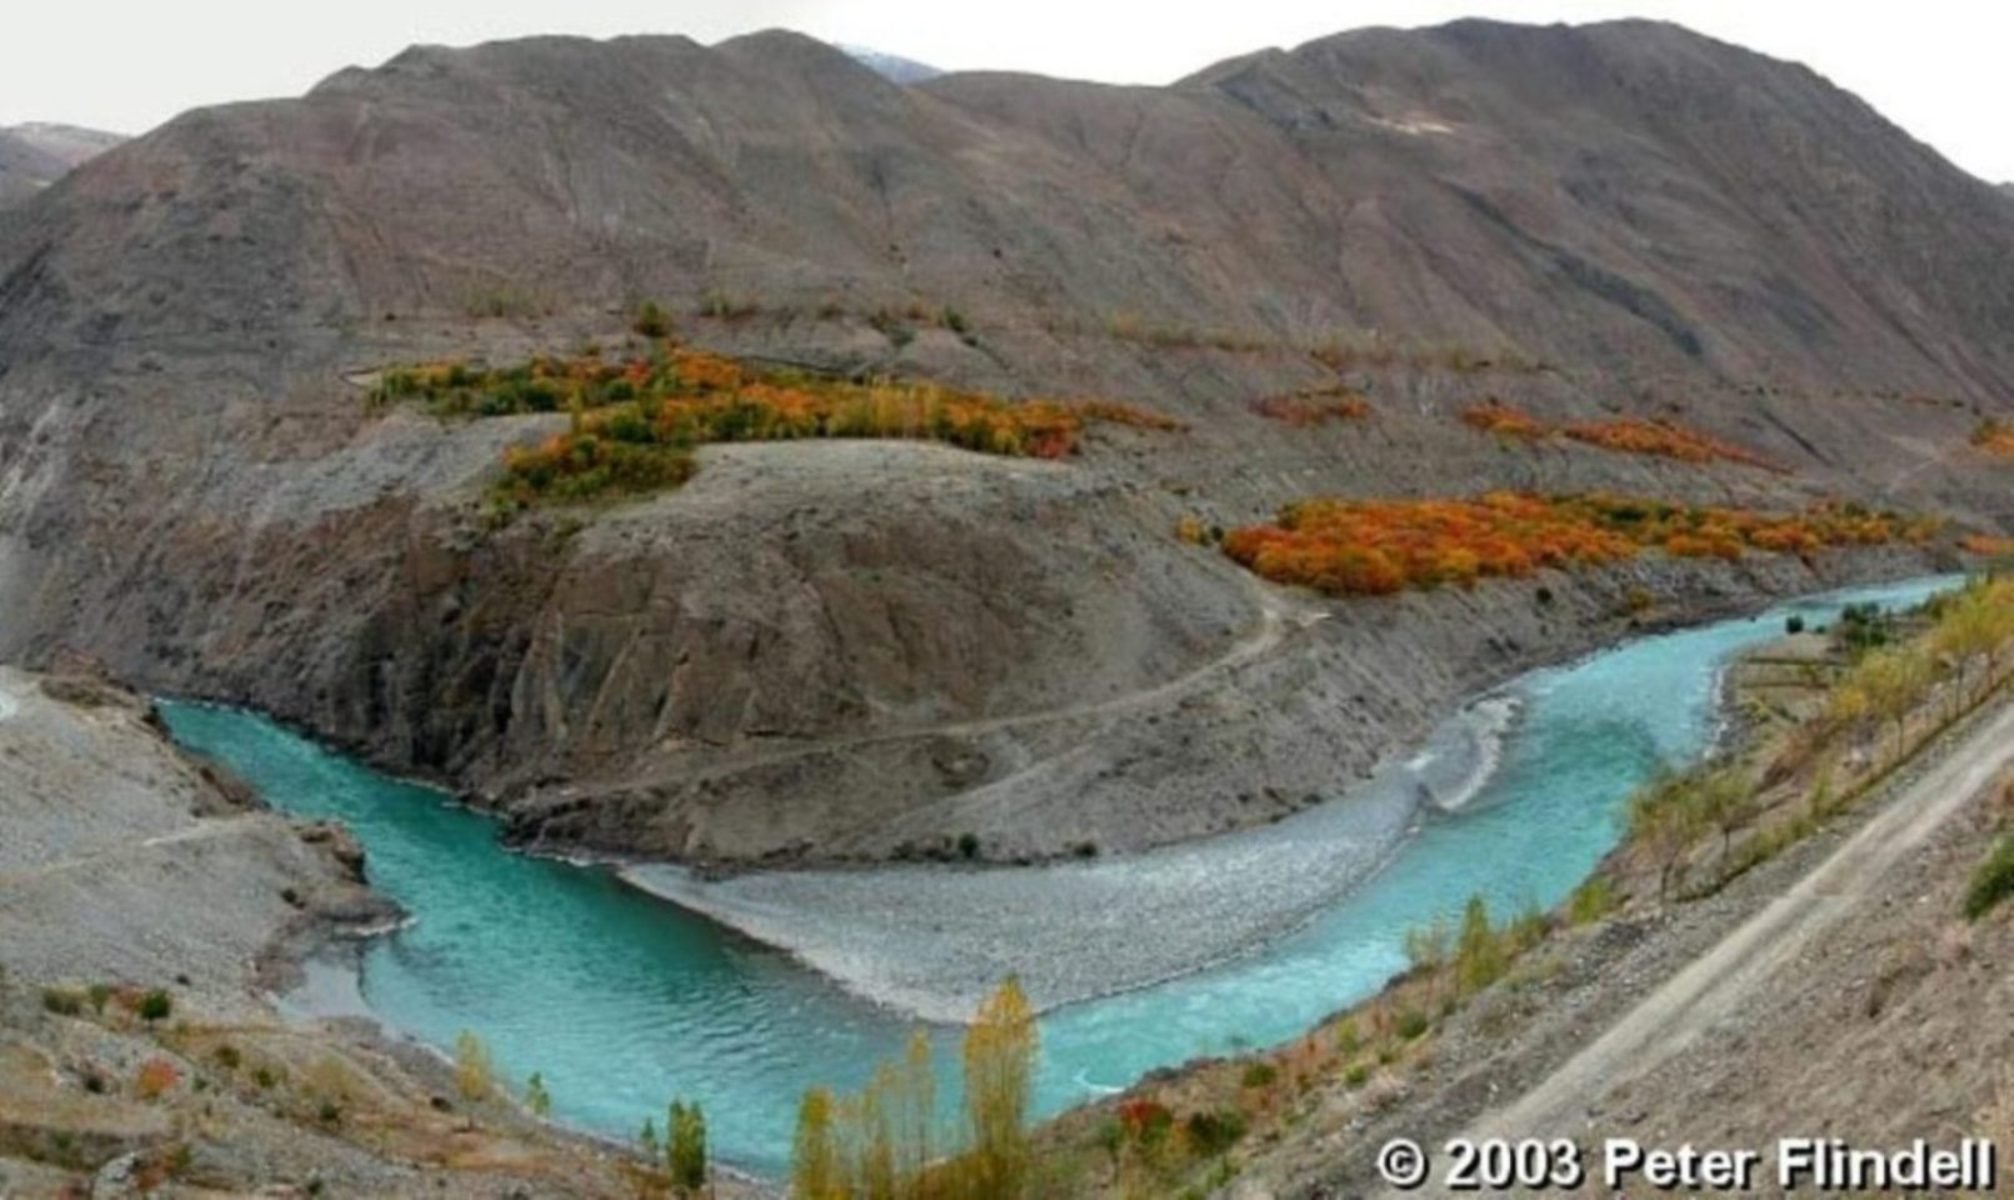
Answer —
636 422
1378 547
1993 882
1498 418
1315 406
1629 435
1664 440
1995 438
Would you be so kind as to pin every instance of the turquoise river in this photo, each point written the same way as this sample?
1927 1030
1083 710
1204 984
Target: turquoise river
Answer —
624 1002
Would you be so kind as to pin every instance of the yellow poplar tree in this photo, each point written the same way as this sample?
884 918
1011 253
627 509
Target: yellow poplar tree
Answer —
474 1077
814 1158
999 1068
875 1136
921 1116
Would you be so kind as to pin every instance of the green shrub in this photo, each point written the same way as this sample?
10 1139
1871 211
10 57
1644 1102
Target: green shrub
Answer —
1413 1024
652 321
685 1148
968 845
62 1001
1479 952
1592 901
1864 627
1212 1133
1993 881
1427 945
1260 1074
1527 929
1357 1076
156 1005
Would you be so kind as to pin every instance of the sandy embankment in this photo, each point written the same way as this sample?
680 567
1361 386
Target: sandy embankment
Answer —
931 941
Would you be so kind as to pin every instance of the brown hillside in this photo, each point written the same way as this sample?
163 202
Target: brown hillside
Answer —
826 649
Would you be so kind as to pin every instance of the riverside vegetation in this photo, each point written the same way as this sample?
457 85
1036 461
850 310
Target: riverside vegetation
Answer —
1835 720
1875 689
883 1144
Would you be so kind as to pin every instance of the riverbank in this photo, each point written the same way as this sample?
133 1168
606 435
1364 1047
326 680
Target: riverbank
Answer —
928 942
147 910
1884 979
621 1001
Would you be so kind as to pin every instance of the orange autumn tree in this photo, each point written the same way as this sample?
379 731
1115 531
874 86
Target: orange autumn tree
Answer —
1314 406
636 422
1378 547
155 1078
1494 416
1663 439
1995 438
1626 435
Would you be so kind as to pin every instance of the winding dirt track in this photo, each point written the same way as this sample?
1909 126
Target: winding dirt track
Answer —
1276 620
1711 987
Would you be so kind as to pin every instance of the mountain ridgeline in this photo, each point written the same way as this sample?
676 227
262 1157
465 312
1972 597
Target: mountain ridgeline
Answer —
1626 191
36 155
827 650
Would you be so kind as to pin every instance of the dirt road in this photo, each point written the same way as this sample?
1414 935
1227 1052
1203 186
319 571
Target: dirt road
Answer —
1277 618
1688 1006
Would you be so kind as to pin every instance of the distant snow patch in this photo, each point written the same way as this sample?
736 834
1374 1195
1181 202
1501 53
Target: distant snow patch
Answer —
891 67
1417 126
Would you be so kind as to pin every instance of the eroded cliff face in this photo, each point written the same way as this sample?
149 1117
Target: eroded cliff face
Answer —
853 650
868 649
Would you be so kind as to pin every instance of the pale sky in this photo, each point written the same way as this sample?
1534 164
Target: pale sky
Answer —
1935 67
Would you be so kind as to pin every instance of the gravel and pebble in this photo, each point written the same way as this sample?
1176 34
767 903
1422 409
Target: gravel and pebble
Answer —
932 940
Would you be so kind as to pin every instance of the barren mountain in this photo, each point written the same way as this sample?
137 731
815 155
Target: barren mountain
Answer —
33 156
819 649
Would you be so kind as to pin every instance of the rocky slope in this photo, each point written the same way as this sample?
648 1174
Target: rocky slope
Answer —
127 868
819 650
1889 1023
1808 972
36 155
